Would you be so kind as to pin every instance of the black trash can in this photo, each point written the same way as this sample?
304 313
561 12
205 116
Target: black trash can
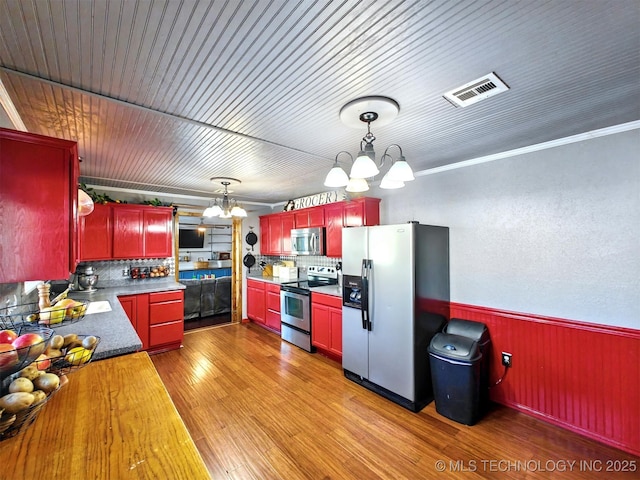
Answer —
456 373
480 334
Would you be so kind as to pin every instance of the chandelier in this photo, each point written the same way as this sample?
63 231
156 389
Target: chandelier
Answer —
368 110
224 207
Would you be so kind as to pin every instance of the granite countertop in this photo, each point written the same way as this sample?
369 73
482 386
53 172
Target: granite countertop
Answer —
117 335
334 290
276 280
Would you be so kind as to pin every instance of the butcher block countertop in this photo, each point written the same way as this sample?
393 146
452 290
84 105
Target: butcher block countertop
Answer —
113 419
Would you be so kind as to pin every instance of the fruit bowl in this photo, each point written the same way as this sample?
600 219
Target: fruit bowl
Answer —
27 343
64 312
14 422
76 352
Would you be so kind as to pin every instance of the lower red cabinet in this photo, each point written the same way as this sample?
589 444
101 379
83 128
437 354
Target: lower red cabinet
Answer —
326 323
256 306
157 317
272 300
263 303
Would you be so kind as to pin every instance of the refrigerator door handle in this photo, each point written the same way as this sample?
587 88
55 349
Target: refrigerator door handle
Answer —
363 299
369 264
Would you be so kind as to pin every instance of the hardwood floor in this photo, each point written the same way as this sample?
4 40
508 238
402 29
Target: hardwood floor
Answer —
260 408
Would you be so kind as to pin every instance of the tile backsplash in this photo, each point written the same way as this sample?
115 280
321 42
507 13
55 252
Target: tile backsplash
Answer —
111 273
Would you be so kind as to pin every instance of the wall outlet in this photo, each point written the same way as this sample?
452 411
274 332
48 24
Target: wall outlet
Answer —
506 359
125 272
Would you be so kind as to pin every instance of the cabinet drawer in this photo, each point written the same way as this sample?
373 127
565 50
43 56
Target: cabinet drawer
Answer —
166 312
257 284
171 332
273 319
157 297
273 288
328 300
273 301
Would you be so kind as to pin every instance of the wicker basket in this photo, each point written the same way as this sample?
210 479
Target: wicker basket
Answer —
201 264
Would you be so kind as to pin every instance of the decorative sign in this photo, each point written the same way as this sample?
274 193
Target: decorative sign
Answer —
320 199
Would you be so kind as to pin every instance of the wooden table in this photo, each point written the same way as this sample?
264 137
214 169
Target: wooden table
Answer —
113 420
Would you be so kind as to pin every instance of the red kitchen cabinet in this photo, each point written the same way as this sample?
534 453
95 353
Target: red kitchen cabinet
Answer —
166 320
117 231
265 244
333 217
137 309
309 217
157 223
355 213
256 301
95 238
128 241
157 317
272 297
38 194
275 232
326 325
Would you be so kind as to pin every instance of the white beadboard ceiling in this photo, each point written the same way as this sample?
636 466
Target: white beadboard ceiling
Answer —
162 95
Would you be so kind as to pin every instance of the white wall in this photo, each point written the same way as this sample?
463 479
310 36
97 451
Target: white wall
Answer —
555 232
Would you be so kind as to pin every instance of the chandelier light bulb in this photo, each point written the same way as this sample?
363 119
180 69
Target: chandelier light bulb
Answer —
401 171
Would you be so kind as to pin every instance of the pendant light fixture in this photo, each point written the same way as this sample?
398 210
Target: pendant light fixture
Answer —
225 208
370 109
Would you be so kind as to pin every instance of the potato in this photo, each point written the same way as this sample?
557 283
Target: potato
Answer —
38 396
47 382
56 342
53 353
21 384
68 339
89 342
30 372
16 402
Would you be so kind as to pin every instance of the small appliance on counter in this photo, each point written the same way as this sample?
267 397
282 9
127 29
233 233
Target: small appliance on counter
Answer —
86 278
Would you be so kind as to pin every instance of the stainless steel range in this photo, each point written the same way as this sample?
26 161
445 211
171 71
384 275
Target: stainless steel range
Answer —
295 305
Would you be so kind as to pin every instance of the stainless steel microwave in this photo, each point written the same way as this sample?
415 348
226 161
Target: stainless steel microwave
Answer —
307 241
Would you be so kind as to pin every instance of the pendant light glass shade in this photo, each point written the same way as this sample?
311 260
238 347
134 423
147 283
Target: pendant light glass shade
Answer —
363 167
85 203
213 211
238 211
401 171
336 177
389 184
356 185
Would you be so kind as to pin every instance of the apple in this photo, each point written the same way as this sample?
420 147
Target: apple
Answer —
43 362
8 356
7 336
33 340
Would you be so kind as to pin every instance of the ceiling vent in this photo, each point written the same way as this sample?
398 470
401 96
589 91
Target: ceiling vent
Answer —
476 90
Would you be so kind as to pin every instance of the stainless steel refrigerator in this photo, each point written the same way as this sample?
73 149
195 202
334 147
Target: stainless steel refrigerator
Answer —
395 298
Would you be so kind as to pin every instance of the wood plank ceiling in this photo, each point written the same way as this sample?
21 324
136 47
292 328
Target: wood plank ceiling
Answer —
163 95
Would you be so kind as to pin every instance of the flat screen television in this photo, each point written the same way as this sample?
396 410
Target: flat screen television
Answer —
190 238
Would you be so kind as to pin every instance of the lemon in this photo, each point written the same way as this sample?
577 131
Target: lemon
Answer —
78 356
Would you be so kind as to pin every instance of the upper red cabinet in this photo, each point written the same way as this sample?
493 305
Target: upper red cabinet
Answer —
275 228
123 231
95 238
157 224
38 206
128 241
309 217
